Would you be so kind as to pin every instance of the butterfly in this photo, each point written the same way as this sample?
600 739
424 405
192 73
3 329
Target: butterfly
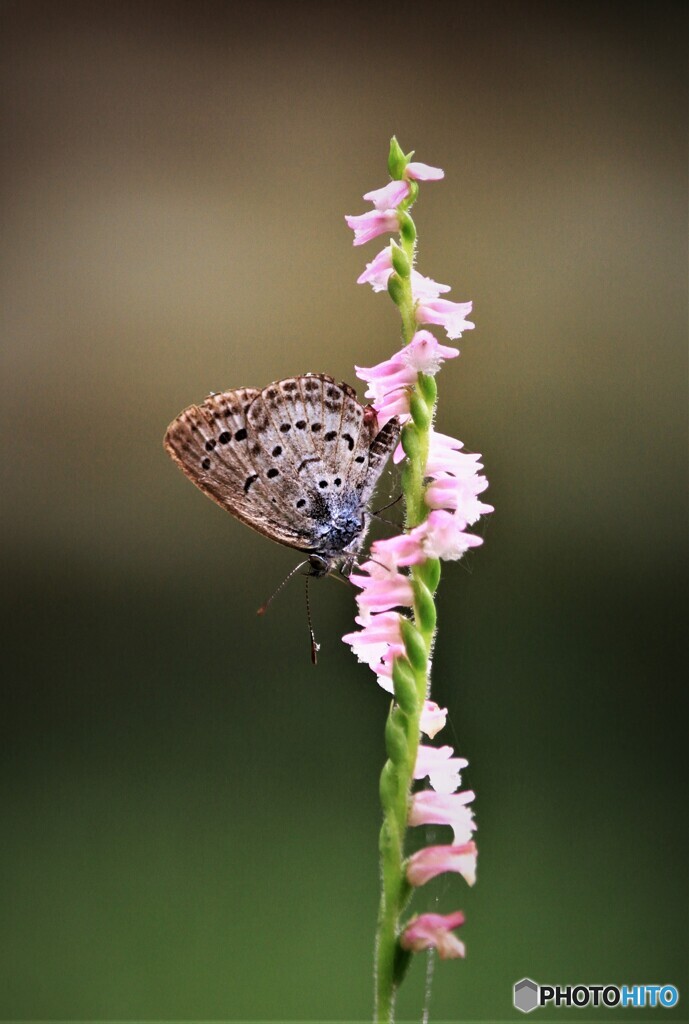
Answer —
297 461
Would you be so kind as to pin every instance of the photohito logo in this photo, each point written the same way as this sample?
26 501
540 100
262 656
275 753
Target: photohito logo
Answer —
528 995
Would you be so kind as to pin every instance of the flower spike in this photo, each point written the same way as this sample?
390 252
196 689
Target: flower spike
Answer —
396 586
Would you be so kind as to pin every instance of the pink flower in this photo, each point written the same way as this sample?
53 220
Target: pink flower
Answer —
394 552
440 766
459 495
425 354
378 271
442 535
425 287
374 640
383 628
377 644
433 718
384 215
389 382
445 456
436 860
444 442
382 589
449 315
384 669
429 808
445 536
390 196
434 931
423 172
454 487
369 225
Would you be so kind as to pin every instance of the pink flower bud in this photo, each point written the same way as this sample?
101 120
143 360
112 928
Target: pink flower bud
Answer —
423 172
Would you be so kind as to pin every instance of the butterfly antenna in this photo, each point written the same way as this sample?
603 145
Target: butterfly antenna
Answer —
315 648
376 514
264 607
389 505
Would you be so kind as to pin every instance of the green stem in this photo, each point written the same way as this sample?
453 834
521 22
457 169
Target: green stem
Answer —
410 673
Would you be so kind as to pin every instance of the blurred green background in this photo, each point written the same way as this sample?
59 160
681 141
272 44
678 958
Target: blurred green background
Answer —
189 809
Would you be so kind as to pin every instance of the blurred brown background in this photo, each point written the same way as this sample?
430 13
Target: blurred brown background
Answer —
189 810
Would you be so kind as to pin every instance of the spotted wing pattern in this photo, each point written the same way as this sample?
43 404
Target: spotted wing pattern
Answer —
290 461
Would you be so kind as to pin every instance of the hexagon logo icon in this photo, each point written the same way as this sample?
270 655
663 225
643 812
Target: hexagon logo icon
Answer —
525 996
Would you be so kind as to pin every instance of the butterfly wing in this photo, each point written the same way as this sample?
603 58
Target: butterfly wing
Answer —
213 444
284 460
327 449
320 430
379 452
